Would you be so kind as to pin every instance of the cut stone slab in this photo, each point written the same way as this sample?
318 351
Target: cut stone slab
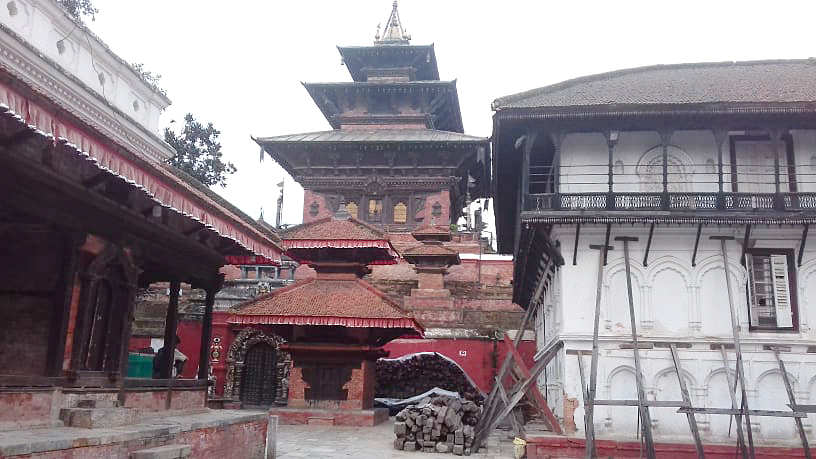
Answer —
92 418
164 452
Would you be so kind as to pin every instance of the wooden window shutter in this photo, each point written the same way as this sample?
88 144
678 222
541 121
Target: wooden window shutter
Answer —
781 289
752 297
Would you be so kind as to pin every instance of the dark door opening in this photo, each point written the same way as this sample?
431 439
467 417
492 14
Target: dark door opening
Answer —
260 379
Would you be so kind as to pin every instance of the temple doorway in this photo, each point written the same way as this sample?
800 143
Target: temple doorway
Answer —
260 375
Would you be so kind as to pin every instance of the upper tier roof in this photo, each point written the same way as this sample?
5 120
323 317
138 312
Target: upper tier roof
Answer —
374 135
360 58
438 99
750 82
348 303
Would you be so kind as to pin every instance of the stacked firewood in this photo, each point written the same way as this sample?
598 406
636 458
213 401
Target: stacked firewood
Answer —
440 424
406 377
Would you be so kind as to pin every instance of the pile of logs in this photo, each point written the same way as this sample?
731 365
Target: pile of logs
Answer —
406 377
440 424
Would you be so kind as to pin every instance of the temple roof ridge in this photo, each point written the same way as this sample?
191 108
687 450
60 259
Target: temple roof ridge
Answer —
394 33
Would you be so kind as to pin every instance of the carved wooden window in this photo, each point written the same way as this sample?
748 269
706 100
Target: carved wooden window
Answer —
375 210
400 213
108 295
326 383
436 210
314 208
351 208
771 289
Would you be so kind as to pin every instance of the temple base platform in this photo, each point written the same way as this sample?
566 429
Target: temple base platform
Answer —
325 417
556 446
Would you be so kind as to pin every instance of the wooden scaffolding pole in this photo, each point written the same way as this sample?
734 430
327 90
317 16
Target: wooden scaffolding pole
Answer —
692 421
643 410
736 334
799 427
589 407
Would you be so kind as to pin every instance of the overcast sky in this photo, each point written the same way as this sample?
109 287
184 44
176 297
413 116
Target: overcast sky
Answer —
240 64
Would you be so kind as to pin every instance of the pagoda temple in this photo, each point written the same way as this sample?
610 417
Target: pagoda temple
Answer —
331 328
397 157
396 154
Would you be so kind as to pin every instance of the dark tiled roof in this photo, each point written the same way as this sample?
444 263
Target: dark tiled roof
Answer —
420 56
781 81
325 298
374 135
330 228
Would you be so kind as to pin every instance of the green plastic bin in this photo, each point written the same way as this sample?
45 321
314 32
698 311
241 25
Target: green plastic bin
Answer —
140 365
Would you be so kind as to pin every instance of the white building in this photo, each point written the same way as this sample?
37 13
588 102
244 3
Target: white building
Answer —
671 155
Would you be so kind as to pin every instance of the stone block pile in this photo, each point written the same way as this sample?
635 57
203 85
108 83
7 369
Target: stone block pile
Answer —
440 424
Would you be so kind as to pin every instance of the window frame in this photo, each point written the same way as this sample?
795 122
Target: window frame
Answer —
792 290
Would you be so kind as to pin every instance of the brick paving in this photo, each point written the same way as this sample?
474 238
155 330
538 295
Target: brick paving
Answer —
333 442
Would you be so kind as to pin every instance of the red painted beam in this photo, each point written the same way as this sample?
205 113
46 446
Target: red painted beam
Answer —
533 390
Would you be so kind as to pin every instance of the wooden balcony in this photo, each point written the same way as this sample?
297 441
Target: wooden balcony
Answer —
672 202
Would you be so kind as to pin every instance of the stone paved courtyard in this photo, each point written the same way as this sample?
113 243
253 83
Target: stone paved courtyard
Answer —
303 441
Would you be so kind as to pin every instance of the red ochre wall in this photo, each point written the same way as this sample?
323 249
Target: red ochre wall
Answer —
475 356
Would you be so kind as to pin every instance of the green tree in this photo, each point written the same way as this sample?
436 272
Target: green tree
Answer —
198 152
79 8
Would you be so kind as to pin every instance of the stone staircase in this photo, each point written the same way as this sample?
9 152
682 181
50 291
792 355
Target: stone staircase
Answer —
92 413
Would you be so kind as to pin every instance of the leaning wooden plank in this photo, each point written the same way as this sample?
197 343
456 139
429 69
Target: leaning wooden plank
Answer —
643 409
589 407
513 420
537 396
799 427
519 391
692 420
731 391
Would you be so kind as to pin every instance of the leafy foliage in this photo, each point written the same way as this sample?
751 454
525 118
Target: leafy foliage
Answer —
79 8
149 77
198 152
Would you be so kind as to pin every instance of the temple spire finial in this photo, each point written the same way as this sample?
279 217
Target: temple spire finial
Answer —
394 33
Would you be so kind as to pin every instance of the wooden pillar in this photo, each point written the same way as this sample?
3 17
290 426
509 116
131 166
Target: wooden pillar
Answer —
611 140
719 139
525 168
72 242
206 330
557 139
170 329
665 138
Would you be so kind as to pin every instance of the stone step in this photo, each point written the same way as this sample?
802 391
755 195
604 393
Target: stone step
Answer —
163 452
91 418
93 403
320 421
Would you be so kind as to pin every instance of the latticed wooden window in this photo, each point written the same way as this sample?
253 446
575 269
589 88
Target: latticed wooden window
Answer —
400 213
770 300
374 209
351 208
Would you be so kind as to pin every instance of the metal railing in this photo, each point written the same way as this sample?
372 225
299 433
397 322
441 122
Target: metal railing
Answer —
745 188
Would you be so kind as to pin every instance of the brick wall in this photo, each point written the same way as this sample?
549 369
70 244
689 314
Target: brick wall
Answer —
323 210
27 406
155 400
479 358
24 329
234 440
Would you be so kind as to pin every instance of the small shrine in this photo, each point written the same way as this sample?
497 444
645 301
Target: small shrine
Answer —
332 326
